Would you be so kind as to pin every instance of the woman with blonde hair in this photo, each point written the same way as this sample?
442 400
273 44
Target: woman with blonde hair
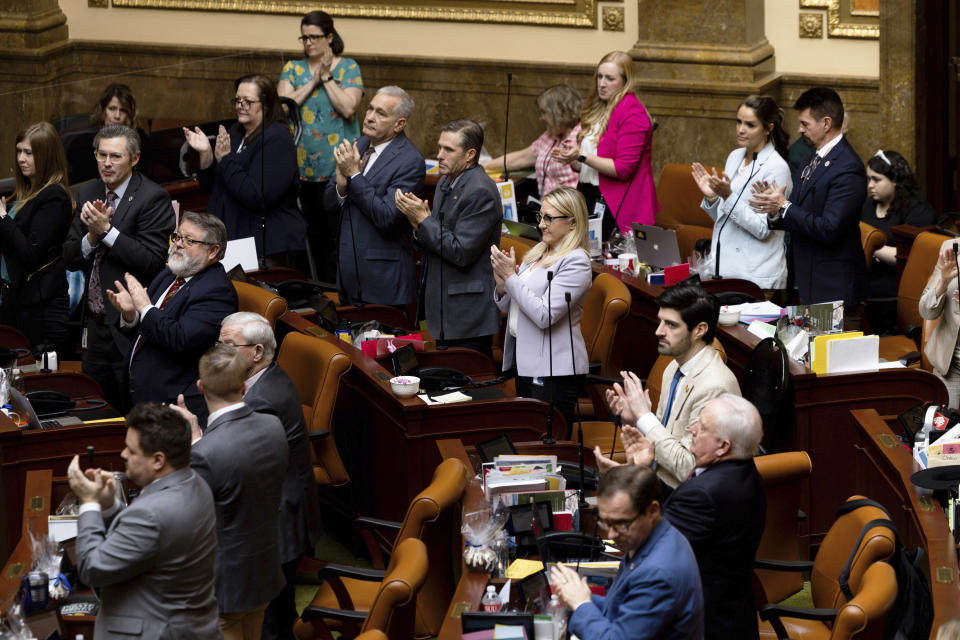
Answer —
613 158
33 291
545 345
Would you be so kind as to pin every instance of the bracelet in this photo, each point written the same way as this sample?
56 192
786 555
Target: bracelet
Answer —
326 80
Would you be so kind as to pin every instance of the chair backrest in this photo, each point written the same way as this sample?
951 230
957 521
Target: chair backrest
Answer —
836 550
606 304
520 245
680 197
393 608
926 330
430 518
316 367
782 474
872 239
373 634
14 339
259 300
865 615
923 258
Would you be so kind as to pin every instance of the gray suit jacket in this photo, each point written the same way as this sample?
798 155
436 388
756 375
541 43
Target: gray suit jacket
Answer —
532 345
471 213
382 270
243 457
300 528
154 564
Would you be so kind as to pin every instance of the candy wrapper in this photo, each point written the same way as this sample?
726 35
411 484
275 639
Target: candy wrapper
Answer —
47 556
483 551
14 627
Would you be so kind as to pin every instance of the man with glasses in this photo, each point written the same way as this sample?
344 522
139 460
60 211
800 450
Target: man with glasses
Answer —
177 318
656 592
121 225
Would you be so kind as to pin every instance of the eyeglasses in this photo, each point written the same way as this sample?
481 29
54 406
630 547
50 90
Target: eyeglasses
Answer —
188 242
243 103
102 157
313 37
620 526
230 344
543 216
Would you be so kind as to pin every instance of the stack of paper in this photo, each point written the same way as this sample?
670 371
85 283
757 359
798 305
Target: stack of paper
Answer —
764 311
519 473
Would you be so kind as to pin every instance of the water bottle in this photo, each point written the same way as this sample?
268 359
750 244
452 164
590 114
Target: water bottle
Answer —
490 603
558 613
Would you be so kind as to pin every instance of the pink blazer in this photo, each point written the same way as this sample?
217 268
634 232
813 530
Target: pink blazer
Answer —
627 141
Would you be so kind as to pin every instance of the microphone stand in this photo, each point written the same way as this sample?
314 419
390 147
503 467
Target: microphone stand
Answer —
716 268
353 241
262 260
548 438
616 218
440 345
506 127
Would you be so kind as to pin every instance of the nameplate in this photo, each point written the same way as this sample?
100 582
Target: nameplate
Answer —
887 440
36 503
944 575
926 503
458 608
317 331
13 571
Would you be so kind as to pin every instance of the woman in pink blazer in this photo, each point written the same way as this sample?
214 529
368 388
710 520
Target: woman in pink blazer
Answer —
613 158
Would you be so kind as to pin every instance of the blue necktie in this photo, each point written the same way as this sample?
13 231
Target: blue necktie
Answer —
673 388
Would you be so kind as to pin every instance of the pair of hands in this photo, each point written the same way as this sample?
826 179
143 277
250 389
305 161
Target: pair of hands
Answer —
566 152
572 589
629 401
91 485
414 208
200 143
322 69
766 197
504 265
129 300
96 215
947 264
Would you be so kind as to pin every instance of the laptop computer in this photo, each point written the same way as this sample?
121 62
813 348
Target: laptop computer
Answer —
21 404
522 230
655 246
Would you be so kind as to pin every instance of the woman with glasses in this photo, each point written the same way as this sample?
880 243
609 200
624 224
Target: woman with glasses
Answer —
252 172
33 228
543 338
613 157
743 246
328 87
893 200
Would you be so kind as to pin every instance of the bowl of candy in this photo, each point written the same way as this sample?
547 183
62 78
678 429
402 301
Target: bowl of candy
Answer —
405 386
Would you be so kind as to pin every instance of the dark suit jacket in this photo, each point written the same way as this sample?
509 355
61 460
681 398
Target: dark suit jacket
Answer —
371 223
267 168
243 457
722 512
31 244
145 221
275 394
175 338
471 213
824 224
154 563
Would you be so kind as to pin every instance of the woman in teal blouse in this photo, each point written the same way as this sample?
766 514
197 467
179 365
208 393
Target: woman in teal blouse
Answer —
328 88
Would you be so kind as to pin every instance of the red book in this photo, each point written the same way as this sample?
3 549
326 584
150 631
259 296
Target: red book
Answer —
676 273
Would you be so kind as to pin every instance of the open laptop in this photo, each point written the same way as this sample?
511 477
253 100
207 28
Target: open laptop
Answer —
21 405
522 230
655 246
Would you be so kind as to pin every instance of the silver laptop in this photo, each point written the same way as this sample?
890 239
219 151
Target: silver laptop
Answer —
655 246
22 405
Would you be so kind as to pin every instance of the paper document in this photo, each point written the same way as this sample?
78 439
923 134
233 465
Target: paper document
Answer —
855 354
762 329
243 252
447 398
749 311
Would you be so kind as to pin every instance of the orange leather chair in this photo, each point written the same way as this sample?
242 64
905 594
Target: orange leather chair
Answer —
837 547
14 339
260 300
316 367
430 518
782 474
680 199
519 245
392 608
872 239
373 634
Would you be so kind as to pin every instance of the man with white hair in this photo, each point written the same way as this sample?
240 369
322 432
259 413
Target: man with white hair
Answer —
270 390
375 249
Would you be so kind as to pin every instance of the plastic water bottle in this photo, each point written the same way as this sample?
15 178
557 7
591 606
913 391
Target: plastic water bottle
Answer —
490 603
558 613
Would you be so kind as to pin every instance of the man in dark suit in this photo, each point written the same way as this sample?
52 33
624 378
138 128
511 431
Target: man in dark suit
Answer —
457 283
375 250
178 317
243 457
154 560
122 225
270 390
823 212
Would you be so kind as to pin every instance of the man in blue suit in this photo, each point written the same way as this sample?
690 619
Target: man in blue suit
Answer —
375 247
177 318
656 592
823 212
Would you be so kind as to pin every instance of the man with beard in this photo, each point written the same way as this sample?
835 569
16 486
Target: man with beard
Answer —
177 318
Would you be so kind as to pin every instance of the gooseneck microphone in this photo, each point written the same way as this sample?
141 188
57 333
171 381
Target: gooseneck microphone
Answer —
716 267
616 217
576 402
506 126
548 438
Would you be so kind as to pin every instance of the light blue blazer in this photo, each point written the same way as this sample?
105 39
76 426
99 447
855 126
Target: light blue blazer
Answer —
748 248
531 348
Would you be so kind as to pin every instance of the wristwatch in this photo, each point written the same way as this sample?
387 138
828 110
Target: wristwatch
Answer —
326 80
582 159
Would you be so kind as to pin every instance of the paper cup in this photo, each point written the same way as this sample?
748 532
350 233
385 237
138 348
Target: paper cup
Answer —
613 263
628 263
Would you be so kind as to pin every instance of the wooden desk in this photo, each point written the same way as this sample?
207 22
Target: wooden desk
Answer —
883 469
36 507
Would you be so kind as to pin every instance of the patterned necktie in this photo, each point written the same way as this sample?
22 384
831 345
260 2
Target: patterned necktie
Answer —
95 290
166 298
173 289
365 159
673 388
810 168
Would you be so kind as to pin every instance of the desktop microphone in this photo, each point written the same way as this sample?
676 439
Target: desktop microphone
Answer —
616 217
548 439
617 424
506 127
440 345
716 268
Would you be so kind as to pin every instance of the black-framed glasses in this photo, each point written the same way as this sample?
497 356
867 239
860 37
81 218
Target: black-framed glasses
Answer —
544 216
244 103
620 526
312 37
189 242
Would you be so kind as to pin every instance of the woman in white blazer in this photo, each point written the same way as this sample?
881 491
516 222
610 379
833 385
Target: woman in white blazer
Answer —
939 300
747 248
538 324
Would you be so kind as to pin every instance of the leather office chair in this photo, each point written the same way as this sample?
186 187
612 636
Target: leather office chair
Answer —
316 367
872 239
392 608
837 547
519 245
431 518
15 340
680 198
260 300
373 634
782 474
766 383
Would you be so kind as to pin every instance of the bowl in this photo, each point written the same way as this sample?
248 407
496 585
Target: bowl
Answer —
405 386
728 318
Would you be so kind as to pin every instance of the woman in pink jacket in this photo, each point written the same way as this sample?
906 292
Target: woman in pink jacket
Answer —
614 153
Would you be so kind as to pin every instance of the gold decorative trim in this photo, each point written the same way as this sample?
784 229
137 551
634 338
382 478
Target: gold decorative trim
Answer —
613 19
456 612
36 503
862 12
944 575
926 503
814 4
843 27
887 440
566 13
811 25
98 4
14 571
